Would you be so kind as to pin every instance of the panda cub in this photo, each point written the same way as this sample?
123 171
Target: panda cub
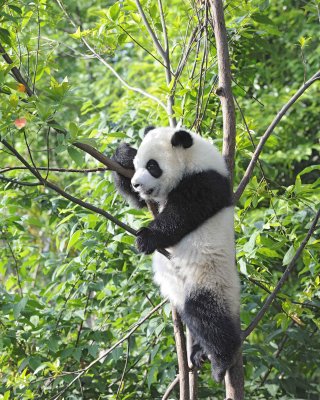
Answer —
188 179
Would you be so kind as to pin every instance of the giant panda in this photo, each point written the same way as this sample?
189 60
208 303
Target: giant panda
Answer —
188 179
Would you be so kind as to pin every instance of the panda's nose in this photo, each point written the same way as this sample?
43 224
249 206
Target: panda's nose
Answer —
136 185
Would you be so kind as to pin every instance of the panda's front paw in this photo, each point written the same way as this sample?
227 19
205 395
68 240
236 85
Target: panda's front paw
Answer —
124 155
146 242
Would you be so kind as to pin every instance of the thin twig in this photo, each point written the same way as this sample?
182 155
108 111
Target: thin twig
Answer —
17 182
261 167
75 200
15 71
16 265
105 63
202 73
283 279
154 38
276 304
142 47
113 165
54 169
37 51
164 53
265 136
166 60
170 388
164 27
124 370
108 351
48 152
66 195
276 355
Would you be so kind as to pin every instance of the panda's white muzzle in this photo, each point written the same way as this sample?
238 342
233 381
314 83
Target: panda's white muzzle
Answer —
143 183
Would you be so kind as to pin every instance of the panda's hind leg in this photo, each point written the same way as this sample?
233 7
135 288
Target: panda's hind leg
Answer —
198 355
213 328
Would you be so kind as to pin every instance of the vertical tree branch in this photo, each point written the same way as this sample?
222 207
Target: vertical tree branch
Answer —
224 90
163 52
234 379
182 355
193 374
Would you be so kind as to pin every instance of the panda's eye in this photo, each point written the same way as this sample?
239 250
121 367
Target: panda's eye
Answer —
154 169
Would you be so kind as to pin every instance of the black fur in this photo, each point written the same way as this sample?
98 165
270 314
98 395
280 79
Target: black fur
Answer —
154 168
213 329
196 198
124 155
148 129
198 356
182 138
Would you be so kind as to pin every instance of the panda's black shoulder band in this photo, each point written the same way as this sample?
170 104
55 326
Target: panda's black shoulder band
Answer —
196 198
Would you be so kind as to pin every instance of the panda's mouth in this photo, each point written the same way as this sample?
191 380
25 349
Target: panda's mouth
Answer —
148 194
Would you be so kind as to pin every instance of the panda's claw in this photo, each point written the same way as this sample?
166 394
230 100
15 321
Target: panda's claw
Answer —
198 355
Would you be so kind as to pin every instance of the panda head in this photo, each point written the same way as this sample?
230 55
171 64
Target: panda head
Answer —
166 155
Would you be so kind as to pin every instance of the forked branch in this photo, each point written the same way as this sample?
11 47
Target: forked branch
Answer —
265 136
224 90
283 279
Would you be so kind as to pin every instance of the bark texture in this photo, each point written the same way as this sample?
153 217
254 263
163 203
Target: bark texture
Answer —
234 380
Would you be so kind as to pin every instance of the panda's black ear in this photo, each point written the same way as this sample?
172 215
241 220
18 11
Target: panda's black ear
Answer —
148 129
182 138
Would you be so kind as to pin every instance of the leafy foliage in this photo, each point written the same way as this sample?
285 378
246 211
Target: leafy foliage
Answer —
72 282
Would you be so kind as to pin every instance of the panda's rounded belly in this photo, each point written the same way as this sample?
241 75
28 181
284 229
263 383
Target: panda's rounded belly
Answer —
203 258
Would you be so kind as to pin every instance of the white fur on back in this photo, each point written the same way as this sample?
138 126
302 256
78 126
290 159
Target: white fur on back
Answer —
205 258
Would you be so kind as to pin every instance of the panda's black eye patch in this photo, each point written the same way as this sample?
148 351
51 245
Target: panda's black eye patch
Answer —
153 168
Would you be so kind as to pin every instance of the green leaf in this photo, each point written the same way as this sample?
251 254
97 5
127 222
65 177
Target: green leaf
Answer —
289 256
76 155
309 169
34 319
5 36
114 11
249 246
76 354
74 239
73 129
268 252
15 8
6 395
76 34
262 19
85 140
19 307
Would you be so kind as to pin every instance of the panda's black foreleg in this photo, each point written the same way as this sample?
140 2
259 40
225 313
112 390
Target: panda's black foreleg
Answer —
213 328
124 155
